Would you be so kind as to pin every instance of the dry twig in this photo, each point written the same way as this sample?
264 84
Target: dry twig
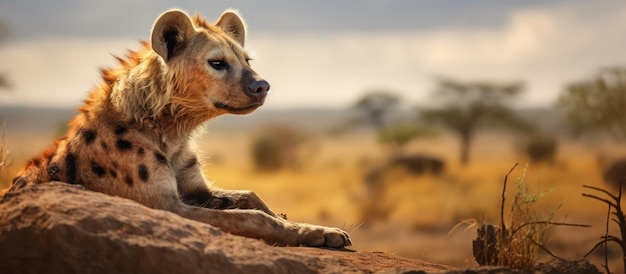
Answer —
615 209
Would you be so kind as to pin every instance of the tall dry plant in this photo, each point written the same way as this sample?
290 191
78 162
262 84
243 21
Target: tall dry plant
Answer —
527 229
516 245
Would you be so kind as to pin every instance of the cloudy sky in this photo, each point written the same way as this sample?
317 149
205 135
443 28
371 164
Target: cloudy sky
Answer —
326 53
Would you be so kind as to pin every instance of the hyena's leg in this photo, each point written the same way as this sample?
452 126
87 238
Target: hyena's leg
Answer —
247 214
250 223
194 190
242 199
224 199
259 225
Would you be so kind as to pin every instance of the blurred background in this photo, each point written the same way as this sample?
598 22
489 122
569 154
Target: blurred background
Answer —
395 120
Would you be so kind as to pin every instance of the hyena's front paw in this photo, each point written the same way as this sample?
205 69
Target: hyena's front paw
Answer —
320 236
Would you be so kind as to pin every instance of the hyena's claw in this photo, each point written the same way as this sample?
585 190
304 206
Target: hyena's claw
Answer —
337 238
320 236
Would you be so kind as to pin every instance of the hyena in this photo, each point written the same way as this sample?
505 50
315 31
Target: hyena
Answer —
131 138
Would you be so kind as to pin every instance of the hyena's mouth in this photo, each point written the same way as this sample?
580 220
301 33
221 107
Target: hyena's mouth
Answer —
232 109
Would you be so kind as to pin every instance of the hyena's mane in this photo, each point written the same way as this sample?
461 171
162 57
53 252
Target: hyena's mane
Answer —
140 87
134 87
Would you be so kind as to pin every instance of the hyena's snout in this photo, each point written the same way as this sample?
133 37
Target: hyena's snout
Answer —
256 88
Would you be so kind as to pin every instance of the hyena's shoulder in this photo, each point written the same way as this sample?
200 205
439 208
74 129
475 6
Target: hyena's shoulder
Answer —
101 156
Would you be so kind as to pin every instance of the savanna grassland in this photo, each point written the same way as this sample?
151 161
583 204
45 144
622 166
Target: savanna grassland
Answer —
425 216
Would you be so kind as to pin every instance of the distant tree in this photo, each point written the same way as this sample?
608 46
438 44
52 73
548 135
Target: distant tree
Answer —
376 104
468 105
597 103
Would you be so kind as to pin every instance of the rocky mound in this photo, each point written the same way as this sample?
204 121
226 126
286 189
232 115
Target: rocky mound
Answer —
61 228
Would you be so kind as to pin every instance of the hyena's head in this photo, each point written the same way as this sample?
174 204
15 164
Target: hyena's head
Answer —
207 67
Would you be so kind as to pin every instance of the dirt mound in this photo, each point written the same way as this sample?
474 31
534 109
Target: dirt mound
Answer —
61 228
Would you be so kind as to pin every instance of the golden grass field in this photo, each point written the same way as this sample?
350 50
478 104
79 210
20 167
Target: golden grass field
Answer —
328 189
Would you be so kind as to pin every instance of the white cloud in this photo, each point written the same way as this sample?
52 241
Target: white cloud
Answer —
546 47
543 47
56 72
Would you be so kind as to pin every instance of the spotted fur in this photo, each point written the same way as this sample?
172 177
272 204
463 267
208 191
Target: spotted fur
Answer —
131 137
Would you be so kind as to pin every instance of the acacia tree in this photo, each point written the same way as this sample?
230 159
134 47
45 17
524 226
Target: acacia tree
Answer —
376 105
597 103
465 106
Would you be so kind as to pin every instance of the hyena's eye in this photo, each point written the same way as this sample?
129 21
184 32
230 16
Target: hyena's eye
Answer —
218 64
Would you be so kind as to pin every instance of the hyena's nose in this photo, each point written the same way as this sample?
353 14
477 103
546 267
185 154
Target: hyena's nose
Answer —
258 88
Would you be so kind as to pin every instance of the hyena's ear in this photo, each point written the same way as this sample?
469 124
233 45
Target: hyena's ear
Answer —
170 33
231 23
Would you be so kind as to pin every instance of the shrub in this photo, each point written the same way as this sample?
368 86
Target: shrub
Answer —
419 164
278 147
399 135
541 148
372 203
615 173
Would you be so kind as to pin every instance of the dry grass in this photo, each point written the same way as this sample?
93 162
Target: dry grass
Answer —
516 242
527 228
328 189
